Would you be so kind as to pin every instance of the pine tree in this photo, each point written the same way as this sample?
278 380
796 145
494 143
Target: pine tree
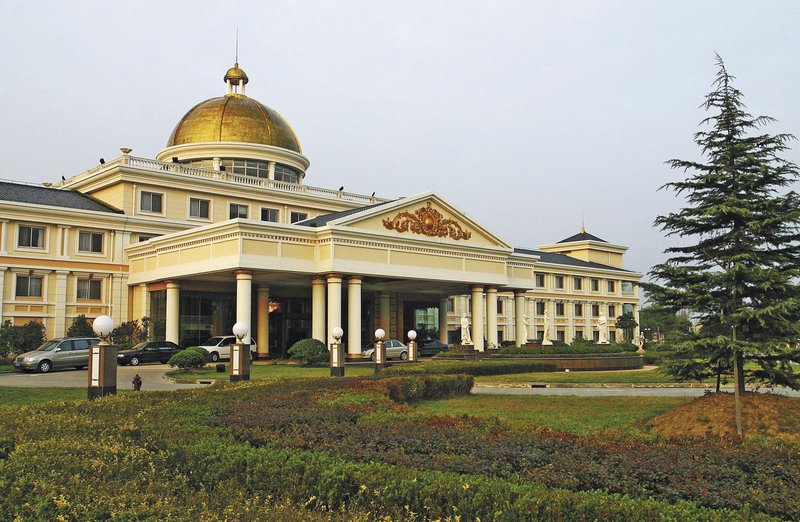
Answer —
736 271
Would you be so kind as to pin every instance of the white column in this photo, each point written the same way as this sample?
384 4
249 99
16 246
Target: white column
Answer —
520 336
3 238
334 305
173 311
244 299
60 324
318 309
262 339
443 319
271 170
354 316
570 309
144 301
385 311
477 317
551 305
491 315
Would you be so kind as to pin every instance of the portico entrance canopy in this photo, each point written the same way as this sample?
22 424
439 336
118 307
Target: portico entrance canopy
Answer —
419 245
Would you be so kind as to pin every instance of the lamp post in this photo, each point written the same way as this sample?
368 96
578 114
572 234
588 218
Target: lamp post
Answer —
337 353
102 361
412 346
380 351
240 354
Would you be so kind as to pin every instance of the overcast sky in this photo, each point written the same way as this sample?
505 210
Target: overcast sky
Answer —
529 116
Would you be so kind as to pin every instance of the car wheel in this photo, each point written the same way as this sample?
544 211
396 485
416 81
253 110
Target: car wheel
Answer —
45 366
214 357
372 357
403 356
134 361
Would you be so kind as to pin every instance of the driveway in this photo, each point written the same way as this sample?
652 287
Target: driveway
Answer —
610 391
151 375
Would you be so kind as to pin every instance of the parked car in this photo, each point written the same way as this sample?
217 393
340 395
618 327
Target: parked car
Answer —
394 350
430 347
219 347
148 351
69 352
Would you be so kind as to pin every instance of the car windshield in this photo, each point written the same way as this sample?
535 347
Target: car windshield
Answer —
47 346
213 341
140 345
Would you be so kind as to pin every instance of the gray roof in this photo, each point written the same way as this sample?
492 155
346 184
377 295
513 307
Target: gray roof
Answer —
21 193
582 236
563 259
321 221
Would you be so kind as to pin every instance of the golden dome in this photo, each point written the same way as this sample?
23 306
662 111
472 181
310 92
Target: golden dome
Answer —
234 118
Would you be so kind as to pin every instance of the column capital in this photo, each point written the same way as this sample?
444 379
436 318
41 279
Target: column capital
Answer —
491 288
355 279
317 280
172 283
334 278
477 287
519 292
243 274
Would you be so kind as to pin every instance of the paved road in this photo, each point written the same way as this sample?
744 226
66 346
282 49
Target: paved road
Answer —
150 374
606 392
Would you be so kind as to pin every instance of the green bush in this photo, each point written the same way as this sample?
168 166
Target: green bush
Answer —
566 349
474 368
188 359
202 351
17 339
309 352
428 387
80 327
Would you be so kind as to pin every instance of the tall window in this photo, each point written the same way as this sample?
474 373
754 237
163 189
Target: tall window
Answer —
559 281
539 308
30 237
612 286
578 334
90 242
269 214
29 286
560 309
627 287
578 310
612 311
595 310
560 336
500 306
199 208
595 285
540 280
89 288
151 202
298 216
577 283
238 211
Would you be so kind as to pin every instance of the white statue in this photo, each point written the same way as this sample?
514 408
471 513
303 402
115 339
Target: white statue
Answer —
546 337
466 338
525 323
602 329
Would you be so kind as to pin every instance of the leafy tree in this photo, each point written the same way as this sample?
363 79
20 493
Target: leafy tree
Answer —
627 323
737 266
31 335
669 326
80 327
9 338
127 334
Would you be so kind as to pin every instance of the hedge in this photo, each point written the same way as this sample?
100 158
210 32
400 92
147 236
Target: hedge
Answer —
565 349
474 368
428 387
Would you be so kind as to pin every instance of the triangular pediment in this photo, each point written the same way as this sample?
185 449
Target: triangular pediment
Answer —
424 217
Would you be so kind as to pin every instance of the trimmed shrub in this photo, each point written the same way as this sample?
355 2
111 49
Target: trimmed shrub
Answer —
475 369
309 352
428 387
565 349
188 359
202 351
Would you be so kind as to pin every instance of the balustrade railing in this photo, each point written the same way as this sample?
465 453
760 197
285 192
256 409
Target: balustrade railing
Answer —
179 168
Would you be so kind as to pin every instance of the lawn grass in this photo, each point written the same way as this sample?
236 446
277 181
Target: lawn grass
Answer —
628 415
13 396
268 372
6 368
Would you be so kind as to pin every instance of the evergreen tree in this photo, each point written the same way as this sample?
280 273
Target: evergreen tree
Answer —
736 270
627 323
80 327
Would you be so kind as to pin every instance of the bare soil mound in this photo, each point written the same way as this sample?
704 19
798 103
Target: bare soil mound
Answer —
713 415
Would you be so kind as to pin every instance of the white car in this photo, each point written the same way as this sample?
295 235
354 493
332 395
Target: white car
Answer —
220 347
394 350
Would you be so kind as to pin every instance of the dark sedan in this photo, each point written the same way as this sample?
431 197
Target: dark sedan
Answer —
430 347
148 351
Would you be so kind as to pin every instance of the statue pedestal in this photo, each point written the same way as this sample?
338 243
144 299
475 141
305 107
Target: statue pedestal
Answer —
603 342
547 342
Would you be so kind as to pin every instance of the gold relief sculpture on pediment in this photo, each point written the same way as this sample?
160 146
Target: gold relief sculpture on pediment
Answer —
427 221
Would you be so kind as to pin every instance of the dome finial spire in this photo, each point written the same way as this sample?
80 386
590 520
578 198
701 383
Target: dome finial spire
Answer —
236 78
